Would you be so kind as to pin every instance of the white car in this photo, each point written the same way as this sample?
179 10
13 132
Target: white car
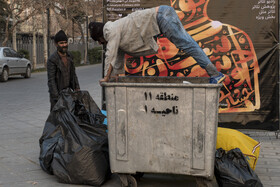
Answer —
12 63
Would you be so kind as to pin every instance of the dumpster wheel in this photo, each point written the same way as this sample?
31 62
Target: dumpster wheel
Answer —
128 180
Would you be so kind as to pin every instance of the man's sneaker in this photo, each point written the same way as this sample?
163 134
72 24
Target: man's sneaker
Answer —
217 79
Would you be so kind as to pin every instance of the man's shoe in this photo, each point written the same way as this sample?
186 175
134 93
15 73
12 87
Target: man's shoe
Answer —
217 79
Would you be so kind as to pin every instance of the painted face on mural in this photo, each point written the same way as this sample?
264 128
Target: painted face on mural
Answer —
189 10
188 5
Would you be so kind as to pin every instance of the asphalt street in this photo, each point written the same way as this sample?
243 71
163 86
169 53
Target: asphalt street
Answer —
23 112
24 108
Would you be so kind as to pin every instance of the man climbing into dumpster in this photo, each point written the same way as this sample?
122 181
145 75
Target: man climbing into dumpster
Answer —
134 35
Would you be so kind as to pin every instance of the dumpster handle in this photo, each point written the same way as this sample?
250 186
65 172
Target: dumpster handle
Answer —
121 135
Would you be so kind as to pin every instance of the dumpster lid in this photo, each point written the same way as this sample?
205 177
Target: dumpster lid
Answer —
155 81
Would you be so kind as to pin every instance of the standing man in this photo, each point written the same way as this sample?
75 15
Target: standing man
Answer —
134 35
61 69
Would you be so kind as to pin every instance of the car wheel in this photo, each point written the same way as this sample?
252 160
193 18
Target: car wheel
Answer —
28 72
5 75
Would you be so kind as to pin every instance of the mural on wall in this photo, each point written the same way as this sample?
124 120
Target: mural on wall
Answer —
229 48
240 37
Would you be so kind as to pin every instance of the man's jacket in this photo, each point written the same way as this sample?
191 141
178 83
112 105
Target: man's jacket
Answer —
133 35
55 78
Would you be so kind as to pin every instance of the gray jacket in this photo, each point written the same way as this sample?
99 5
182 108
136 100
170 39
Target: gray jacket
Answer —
133 35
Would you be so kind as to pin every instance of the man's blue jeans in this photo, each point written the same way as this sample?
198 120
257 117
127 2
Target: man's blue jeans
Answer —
172 28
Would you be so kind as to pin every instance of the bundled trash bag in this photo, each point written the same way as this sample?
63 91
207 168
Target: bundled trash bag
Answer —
229 139
74 143
233 170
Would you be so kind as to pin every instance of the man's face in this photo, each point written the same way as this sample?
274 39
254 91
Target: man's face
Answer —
101 40
62 46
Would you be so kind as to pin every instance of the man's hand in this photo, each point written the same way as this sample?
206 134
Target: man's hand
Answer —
105 79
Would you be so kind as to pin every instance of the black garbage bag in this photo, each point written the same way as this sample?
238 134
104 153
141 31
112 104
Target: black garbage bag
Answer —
233 170
74 143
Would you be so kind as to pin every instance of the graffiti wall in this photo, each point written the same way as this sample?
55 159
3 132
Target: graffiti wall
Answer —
241 39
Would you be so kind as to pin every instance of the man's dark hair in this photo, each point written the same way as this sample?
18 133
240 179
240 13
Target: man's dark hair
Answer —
60 36
96 30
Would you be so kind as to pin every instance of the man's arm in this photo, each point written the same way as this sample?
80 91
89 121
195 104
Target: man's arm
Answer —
111 54
76 82
108 74
118 68
51 70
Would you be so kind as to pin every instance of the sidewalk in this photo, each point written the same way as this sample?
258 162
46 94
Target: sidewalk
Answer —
268 166
19 164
